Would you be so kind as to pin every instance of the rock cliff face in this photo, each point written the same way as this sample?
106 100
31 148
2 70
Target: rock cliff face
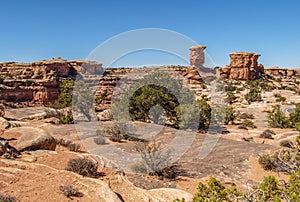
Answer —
282 72
38 82
243 66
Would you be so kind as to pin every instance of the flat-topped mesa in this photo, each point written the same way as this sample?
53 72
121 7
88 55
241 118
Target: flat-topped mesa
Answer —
197 57
243 66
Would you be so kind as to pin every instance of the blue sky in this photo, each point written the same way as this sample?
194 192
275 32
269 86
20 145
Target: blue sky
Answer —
35 30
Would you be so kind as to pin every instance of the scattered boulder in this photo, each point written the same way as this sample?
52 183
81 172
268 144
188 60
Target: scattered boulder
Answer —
4 124
33 139
286 143
106 115
268 134
52 120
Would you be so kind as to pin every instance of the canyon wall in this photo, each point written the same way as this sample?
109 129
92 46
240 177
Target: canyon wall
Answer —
38 82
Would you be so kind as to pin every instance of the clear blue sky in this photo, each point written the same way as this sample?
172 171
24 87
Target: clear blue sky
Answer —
35 30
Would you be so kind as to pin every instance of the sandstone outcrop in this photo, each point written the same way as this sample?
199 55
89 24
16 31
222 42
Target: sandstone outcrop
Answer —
4 124
197 57
192 75
282 72
243 66
38 82
33 139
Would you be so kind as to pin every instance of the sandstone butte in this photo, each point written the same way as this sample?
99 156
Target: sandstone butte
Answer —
33 84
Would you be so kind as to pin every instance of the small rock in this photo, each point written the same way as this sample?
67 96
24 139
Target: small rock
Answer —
52 120
106 115
4 124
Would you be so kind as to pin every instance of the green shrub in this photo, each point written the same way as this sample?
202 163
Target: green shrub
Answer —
66 119
286 160
298 126
230 115
253 95
65 94
279 98
82 166
230 87
277 119
214 190
295 116
230 97
249 123
269 190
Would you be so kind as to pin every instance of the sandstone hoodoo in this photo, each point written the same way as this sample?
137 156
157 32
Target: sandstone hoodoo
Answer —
243 66
197 57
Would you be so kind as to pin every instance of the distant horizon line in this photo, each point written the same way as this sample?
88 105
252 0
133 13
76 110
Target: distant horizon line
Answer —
132 66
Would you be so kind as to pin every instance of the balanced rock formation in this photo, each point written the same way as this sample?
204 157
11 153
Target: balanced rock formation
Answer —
197 57
243 66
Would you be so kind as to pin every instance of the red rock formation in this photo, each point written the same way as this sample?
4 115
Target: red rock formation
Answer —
197 57
192 75
243 66
282 72
38 82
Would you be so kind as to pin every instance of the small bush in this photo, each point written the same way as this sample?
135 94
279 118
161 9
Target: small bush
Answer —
63 142
66 119
267 162
115 134
154 160
7 198
277 119
69 191
74 147
230 97
99 140
279 98
297 126
82 166
246 116
230 87
253 95
249 123
268 134
230 115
